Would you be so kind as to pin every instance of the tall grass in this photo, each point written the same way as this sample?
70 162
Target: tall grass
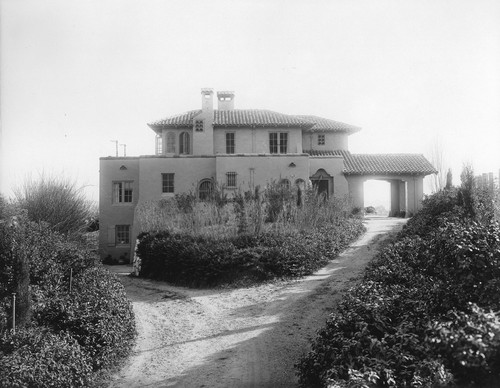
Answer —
58 201
277 207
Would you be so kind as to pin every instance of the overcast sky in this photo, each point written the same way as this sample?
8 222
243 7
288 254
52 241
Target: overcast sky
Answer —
77 74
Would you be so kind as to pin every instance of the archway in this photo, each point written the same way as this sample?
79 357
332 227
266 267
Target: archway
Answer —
322 182
377 197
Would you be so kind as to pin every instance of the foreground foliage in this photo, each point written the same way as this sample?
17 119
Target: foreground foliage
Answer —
423 314
73 318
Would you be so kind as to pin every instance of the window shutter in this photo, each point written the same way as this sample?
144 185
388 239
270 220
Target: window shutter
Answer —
111 236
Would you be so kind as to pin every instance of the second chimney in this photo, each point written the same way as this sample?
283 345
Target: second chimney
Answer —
225 100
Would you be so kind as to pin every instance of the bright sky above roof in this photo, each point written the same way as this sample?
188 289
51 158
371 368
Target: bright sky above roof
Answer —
76 75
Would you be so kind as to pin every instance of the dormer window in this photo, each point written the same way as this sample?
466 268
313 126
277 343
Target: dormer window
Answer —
198 125
321 139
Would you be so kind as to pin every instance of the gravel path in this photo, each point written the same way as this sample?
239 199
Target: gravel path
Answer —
249 337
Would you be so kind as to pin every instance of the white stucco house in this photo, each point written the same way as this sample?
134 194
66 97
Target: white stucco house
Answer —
243 148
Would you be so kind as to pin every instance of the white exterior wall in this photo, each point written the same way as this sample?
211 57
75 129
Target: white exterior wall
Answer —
333 141
112 214
258 170
262 139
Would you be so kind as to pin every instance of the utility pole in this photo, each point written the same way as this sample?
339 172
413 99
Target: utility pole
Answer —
116 146
124 149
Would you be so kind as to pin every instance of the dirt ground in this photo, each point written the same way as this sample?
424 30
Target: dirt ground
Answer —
248 337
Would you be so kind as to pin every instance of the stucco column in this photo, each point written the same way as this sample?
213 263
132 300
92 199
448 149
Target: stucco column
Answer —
402 197
356 191
395 195
415 194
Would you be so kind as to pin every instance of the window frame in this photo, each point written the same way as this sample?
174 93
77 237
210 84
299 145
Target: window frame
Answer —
170 149
122 192
185 143
230 143
122 231
159 144
231 179
321 139
167 182
278 143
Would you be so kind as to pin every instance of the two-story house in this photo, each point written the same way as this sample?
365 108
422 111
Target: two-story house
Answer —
241 149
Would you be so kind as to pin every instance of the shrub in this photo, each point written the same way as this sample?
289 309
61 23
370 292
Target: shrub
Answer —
40 358
57 201
96 313
419 318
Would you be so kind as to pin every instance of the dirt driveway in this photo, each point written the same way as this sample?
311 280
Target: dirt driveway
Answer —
248 337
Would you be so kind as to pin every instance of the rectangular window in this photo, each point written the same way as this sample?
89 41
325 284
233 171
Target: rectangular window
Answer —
122 192
198 125
159 145
230 143
122 234
231 179
167 183
321 139
278 142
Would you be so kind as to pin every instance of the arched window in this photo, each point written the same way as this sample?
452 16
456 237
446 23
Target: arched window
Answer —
205 189
301 184
184 143
171 142
285 183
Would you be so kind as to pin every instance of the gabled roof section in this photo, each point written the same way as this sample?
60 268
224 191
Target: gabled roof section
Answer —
326 125
235 118
381 164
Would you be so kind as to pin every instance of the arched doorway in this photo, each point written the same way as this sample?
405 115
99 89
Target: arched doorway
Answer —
205 189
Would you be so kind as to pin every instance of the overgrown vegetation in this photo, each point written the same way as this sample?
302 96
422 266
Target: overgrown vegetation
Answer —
280 232
72 316
58 201
424 314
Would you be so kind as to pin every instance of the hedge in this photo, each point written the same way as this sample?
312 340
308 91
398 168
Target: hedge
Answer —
422 316
183 259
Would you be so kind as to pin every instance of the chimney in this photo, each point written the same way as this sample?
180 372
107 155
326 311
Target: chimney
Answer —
225 100
207 99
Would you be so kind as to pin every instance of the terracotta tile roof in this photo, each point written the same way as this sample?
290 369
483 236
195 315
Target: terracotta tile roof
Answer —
381 164
236 118
256 118
178 121
326 125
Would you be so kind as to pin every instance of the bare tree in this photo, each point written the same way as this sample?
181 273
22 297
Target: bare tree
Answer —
436 156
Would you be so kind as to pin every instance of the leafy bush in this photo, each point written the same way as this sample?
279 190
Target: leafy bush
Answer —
96 313
40 358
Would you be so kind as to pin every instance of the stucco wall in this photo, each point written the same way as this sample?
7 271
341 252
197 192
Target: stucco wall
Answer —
243 139
333 165
333 141
111 214
253 170
188 170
